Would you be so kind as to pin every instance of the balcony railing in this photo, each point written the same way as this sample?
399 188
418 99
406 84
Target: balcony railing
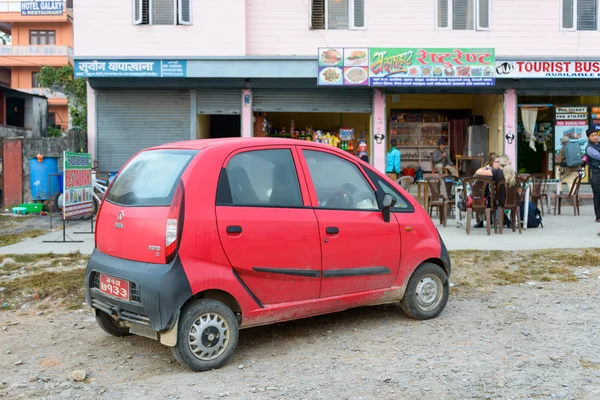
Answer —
15 6
49 93
42 50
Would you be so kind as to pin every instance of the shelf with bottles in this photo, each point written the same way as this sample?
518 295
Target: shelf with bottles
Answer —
418 116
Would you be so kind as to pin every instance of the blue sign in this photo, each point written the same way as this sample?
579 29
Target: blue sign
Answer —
131 69
40 7
431 82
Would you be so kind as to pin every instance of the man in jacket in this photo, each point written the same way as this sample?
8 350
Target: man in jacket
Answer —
569 174
392 162
593 153
441 159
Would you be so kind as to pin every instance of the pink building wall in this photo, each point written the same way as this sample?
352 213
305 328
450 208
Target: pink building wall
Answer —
527 28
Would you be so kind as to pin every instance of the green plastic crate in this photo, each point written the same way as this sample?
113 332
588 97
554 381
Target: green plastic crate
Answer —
32 208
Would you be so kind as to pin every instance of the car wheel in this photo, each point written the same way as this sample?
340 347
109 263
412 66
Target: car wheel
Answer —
109 325
207 336
427 292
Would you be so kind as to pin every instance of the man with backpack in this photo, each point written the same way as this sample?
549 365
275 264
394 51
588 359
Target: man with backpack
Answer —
593 153
570 160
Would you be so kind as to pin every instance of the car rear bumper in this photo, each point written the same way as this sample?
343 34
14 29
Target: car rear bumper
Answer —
157 291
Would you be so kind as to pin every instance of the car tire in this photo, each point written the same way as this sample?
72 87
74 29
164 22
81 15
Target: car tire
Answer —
217 329
109 325
427 292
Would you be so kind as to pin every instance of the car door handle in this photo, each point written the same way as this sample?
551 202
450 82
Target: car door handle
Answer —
234 229
332 230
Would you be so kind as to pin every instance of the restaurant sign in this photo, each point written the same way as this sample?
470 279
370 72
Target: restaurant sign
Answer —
77 184
548 69
417 67
41 7
131 68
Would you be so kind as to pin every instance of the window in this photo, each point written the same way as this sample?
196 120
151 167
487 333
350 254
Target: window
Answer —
338 14
383 187
579 15
162 12
35 80
339 183
42 37
52 119
463 14
262 178
150 179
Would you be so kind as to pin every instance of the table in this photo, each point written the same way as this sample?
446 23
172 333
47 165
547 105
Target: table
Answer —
459 160
425 194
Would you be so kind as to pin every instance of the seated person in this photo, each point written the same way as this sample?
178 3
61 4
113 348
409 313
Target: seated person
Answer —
441 159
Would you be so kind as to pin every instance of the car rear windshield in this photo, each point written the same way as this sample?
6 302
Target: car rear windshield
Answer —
150 178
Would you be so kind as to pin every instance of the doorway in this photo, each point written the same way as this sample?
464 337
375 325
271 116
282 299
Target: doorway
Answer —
15 111
218 126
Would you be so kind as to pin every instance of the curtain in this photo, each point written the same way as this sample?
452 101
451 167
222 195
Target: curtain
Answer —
457 136
529 117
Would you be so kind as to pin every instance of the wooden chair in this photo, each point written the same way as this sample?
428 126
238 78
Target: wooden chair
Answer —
538 192
483 194
406 182
438 197
512 202
450 183
573 195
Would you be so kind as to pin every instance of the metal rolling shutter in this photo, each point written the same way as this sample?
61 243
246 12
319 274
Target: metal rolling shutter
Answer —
313 100
132 120
219 101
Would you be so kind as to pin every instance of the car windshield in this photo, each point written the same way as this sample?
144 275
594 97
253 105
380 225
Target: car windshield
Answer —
150 178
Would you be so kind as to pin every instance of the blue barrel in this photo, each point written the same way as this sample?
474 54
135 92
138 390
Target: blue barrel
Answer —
38 178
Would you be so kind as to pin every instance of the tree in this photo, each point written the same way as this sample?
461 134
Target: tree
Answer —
63 80
5 39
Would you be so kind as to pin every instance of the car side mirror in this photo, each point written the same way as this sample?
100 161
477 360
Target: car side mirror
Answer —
388 202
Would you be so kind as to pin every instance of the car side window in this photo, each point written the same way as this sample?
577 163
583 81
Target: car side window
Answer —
383 187
260 178
339 184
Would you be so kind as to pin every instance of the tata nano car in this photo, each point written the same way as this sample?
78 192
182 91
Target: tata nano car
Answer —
198 239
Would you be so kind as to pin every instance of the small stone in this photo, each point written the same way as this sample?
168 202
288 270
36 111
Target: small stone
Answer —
253 390
222 394
39 313
34 379
19 362
45 379
19 386
241 366
2 289
8 261
79 375
271 388
129 357
8 352
261 389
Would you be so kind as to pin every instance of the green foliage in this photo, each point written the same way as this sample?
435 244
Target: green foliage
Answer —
54 132
63 79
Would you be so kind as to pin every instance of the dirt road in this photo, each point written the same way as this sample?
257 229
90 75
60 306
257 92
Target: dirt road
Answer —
533 340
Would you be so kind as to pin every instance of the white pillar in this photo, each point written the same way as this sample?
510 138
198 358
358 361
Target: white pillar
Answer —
247 120
510 126
378 140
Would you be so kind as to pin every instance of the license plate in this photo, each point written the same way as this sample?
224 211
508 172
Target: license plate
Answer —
114 286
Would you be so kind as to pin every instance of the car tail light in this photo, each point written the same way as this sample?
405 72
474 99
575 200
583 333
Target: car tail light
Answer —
174 224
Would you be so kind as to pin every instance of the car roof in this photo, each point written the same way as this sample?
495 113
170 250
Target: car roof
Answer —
237 143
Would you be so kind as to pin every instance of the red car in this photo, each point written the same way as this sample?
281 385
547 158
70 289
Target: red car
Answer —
198 239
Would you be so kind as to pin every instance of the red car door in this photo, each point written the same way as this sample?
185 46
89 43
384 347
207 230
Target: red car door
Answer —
360 251
267 227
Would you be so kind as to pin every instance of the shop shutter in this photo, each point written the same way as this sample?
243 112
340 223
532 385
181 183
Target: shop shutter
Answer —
337 14
567 14
317 14
587 15
163 12
442 13
359 13
219 101
462 12
185 12
483 15
131 120
313 100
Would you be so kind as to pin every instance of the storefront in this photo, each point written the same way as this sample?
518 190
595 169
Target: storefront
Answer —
339 117
552 99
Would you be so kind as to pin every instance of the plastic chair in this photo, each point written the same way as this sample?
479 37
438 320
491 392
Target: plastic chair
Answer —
483 200
405 182
512 202
573 195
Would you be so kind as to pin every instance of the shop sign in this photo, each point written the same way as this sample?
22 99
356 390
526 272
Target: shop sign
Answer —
547 69
39 7
77 184
128 68
423 67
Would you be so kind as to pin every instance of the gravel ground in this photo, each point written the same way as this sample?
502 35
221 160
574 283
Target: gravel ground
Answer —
535 340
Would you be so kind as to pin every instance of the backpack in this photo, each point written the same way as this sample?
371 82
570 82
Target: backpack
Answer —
534 216
573 156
